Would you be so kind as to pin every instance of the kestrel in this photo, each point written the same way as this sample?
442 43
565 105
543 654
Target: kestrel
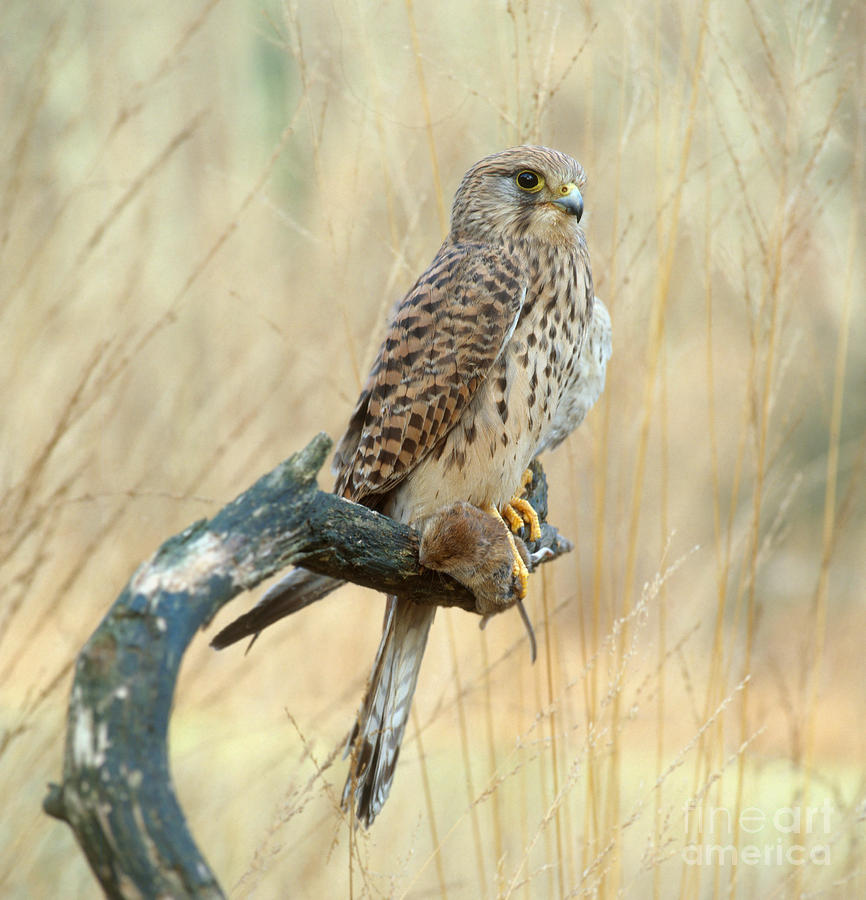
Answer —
482 367
477 372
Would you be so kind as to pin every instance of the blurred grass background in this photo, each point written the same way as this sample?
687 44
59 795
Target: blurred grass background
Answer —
206 211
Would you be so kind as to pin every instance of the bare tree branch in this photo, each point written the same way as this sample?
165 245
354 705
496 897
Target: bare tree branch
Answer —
117 794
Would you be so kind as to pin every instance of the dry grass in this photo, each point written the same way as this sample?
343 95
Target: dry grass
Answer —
205 214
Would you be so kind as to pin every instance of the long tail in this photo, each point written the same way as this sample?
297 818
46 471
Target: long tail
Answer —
375 739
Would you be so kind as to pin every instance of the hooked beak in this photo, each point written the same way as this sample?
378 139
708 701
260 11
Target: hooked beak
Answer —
571 200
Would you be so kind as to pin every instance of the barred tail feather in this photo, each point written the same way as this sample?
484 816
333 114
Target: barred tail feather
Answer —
295 591
375 740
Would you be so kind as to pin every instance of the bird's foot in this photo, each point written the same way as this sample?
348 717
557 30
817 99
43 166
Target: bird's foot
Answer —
519 511
519 569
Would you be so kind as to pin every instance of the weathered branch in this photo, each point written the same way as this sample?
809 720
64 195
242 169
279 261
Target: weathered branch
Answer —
388 563
116 793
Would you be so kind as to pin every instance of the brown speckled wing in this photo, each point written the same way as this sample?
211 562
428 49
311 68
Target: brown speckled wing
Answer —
445 336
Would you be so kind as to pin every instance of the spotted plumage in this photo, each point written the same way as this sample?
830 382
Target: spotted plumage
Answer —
585 383
472 379
495 355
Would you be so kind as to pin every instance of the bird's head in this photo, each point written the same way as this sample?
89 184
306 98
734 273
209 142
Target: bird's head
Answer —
518 193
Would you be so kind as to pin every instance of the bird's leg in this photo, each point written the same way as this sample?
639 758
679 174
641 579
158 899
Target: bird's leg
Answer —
518 567
520 572
518 510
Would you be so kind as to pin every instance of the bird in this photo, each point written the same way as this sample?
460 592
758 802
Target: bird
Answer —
481 368
588 385
300 587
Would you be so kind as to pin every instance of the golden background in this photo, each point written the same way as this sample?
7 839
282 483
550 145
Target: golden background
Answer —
206 212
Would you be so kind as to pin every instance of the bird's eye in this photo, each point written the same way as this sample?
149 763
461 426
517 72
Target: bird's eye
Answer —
529 181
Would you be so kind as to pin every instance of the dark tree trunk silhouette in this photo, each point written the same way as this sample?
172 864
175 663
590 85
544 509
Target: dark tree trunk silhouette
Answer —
116 793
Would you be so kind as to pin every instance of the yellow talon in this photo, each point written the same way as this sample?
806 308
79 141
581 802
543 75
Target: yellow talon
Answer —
517 511
512 517
518 566
525 513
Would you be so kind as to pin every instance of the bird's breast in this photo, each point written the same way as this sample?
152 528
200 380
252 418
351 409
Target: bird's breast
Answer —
482 458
